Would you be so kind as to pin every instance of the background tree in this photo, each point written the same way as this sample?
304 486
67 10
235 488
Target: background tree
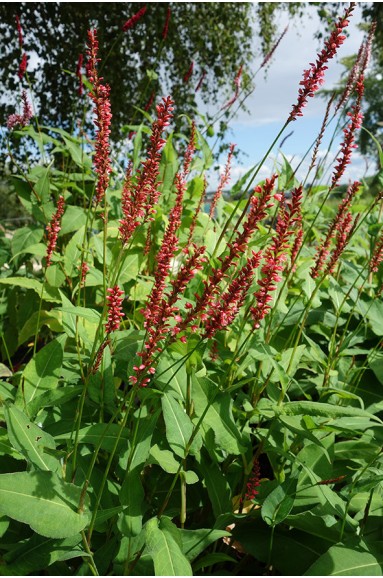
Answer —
205 45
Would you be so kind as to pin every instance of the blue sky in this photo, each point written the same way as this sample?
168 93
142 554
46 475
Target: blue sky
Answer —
274 95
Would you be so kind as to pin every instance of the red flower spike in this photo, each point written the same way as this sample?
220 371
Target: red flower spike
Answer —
225 178
254 482
166 25
23 66
273 49
313 77
134 19
189 73
19 32
139 199
115 313
197 212
200 82
190 149
348 144
276 255
258 211
224 309
323 249
102 111
344 234
53 229
237 84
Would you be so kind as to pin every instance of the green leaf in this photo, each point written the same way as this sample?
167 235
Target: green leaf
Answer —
165 459
279 502
131 496
44 369
163 543
53 397
138 453
72 253
42 186
342 560
196 541
26 283
179 427
73 220
38 553
211 559
105 434
30 440
78 155
43 501
314 408
39 318
130 266
25 237
217 486
55 276
219 416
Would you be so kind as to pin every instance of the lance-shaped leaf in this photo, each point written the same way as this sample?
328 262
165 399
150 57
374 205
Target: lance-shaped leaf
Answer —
30 440
164 544
43 501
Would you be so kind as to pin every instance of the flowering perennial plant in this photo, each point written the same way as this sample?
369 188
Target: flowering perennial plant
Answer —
131 467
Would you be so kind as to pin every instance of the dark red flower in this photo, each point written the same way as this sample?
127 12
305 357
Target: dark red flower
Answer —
134 19
53 229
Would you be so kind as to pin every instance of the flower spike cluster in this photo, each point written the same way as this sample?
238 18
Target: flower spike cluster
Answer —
224 310
139 199
258 210
100 97
53 229
275 255
348 144
21 119
313 77
323 250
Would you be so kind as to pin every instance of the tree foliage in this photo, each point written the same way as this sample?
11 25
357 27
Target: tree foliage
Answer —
215 37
